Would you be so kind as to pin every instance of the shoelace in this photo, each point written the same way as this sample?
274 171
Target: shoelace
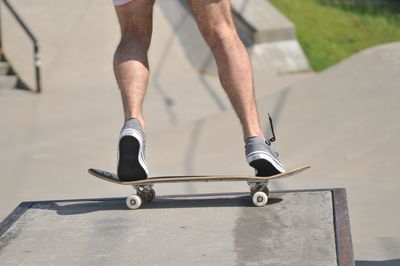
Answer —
272 129
269 141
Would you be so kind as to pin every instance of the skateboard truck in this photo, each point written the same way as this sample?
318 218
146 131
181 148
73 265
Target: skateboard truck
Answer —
259 189
144 193
259 192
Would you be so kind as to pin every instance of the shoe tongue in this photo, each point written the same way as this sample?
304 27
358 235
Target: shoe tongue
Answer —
254 139
133 123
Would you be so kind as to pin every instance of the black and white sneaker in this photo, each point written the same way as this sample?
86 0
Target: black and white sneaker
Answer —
262 157
131 152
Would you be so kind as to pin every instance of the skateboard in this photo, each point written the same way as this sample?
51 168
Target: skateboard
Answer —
145 192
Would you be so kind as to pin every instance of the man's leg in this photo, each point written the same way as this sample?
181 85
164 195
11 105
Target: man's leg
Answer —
131 70
215 22
131 66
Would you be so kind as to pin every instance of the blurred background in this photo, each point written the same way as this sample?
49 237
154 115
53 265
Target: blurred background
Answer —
326 70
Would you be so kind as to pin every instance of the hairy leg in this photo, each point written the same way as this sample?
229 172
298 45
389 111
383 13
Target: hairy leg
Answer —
131 66
215 22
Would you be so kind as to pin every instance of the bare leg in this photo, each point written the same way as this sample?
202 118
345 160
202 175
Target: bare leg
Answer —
214 20
131 66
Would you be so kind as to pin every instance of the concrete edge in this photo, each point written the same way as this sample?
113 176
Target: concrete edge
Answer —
13 216
344 246
266 22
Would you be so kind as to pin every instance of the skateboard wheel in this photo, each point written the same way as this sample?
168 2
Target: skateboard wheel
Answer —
265 190
152 195
147 195
133 202
260 199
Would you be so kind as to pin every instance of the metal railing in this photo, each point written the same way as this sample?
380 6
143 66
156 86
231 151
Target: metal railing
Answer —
36 59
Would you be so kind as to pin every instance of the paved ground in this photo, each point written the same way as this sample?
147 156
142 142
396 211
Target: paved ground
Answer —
341 121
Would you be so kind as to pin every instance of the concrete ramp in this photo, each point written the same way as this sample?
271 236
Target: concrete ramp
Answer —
295 228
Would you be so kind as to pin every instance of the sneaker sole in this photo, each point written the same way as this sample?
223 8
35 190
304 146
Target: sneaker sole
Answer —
129 167
265 165
264 168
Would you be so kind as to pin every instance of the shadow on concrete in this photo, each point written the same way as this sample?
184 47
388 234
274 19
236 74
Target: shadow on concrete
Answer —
197 52
88 206
395 262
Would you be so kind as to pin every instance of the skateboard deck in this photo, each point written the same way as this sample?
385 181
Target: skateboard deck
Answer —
107 176
145 192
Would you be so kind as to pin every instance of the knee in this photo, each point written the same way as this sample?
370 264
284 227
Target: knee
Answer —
131 38
219 35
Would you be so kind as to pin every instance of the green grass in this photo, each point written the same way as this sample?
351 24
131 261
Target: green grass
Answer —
330 32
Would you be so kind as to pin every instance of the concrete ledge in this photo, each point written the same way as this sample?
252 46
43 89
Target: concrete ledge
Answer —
279 57
267 23
296 228
8 82
4 68
270 36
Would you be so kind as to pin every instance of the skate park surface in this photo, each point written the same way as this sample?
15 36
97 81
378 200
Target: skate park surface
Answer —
341 121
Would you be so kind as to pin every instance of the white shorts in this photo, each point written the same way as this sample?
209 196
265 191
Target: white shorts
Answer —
121 2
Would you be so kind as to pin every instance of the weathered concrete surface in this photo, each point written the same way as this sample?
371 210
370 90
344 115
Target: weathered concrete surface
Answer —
294 229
